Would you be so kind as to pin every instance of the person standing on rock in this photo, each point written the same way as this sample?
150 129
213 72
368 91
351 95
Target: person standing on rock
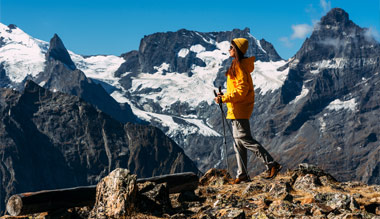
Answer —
240 100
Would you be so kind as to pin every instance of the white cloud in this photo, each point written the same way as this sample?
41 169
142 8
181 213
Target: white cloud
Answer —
326 5
301 30
371 33
332 42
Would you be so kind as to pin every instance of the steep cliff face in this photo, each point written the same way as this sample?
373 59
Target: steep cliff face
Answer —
53 140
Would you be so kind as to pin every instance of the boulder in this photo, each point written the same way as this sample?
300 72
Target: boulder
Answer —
307 182
215 177
334 200
154 198
279 189
115 195
254 188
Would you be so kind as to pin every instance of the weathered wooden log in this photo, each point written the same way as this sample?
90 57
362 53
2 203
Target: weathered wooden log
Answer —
50 200
177 182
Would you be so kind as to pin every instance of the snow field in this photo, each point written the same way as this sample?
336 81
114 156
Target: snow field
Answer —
21 55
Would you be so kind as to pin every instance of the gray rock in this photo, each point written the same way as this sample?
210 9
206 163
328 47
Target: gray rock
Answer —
334 200
282 209
376 188
262 215
178 216
188 196
116 195
319 209
155 199
306 168
254 188
279 189
354 206
234 213
307 182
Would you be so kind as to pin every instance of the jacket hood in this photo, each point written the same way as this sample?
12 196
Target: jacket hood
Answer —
248 64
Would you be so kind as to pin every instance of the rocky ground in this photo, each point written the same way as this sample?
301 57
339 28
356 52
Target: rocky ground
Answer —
306 192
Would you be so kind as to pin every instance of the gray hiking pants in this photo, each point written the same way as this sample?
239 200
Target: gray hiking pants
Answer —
243 141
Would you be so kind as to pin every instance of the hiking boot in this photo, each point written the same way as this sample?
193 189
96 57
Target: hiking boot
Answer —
273 171
240 180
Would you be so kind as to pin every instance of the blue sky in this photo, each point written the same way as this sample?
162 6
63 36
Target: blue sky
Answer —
91 27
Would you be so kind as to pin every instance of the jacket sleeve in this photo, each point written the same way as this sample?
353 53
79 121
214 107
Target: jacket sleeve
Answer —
240 88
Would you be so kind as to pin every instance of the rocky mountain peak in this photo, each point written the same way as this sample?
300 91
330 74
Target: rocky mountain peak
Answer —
336 36
272 53
57 51
336 17
12 26
242 32
178 50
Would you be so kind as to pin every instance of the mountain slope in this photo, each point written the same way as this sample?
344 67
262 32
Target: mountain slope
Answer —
53 140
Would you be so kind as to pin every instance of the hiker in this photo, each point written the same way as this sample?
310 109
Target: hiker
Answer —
240 100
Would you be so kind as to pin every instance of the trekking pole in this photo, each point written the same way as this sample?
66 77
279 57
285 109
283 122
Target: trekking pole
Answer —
229 128
224 128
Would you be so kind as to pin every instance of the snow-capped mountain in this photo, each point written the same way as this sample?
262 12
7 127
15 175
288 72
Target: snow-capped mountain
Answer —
178 97
20 55
320 106
51 66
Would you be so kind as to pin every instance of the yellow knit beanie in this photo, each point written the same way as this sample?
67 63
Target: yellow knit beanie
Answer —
242 44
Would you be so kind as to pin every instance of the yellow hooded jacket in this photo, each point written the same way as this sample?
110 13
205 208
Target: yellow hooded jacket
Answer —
240 95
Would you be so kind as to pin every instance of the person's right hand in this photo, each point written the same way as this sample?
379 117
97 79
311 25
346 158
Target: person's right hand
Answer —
218 99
